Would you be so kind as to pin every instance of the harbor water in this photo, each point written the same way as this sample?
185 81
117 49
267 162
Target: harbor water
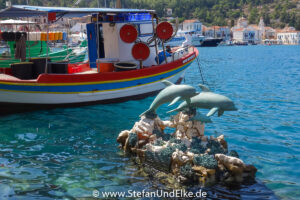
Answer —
68 153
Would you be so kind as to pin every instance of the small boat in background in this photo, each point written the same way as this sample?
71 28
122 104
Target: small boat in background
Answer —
211 42
123 62
193 37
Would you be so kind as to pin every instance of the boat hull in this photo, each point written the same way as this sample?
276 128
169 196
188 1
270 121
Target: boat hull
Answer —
73 90
177 41
211 42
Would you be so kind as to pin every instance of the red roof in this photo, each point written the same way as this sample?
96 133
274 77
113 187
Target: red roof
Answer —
240 29
254 26
268 28
287 31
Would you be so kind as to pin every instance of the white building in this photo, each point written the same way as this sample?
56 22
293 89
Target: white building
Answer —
288 36
244 33
192 25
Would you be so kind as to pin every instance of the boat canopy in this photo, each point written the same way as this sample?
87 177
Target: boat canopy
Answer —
31 11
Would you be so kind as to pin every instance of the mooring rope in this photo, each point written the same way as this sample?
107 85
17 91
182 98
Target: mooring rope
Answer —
201 72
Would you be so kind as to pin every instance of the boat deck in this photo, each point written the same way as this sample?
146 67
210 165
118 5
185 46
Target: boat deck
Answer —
8 77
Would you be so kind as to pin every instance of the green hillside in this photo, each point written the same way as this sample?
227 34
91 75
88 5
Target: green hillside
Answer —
276 13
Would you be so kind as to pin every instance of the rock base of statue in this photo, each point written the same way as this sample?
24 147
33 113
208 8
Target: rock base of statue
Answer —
187 154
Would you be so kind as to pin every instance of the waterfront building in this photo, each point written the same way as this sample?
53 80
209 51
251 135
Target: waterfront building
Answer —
244 33
269 33
192 25
288 36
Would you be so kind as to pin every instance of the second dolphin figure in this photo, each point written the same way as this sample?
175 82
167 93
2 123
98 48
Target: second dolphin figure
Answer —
209 100
172 93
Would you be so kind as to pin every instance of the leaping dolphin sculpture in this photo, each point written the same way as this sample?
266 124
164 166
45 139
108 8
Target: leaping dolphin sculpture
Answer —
209 100
172 93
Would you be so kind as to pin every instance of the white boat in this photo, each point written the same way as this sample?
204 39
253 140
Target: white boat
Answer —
194 37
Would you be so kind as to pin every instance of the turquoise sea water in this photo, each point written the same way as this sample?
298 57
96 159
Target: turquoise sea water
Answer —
67 153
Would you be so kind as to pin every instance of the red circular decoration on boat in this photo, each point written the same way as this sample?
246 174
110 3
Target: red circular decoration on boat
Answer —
140 51
164 30
128 33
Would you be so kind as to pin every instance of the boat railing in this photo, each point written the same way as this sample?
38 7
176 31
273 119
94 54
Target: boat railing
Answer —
183 51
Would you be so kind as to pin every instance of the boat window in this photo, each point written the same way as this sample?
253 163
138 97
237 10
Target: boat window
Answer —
145 29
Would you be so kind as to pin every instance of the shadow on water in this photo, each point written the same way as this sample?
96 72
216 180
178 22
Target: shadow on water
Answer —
67 153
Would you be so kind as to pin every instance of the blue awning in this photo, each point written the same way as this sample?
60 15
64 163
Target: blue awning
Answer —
31 11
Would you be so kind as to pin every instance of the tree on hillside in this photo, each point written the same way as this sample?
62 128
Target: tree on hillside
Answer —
253 16
212 12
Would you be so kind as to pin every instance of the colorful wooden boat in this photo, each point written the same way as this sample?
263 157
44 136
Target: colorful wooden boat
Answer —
90 83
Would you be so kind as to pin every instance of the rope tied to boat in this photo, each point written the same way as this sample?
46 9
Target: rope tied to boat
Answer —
201 72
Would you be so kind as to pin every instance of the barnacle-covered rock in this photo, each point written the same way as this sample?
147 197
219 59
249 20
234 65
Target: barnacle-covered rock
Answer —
187 171
132 139
182 147
158 132
215 147
159 142
175 140
196 146
160 158
207 161
187 153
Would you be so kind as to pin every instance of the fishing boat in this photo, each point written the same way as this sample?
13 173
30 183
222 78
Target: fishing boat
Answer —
124 62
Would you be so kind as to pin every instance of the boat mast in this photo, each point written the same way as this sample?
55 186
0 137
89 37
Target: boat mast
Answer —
28 30
118 4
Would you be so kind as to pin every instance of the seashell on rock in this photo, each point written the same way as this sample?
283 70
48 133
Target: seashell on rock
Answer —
168 124
183 118
191 132
123 136
189 124
199 126
178 134
222 141
180 128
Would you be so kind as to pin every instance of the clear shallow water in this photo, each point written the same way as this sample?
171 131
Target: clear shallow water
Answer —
66 153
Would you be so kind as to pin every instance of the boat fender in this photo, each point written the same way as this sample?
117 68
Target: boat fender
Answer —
140 51
128 33
164 30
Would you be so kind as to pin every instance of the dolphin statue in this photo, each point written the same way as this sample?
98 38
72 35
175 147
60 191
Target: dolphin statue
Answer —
209 100
172 93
